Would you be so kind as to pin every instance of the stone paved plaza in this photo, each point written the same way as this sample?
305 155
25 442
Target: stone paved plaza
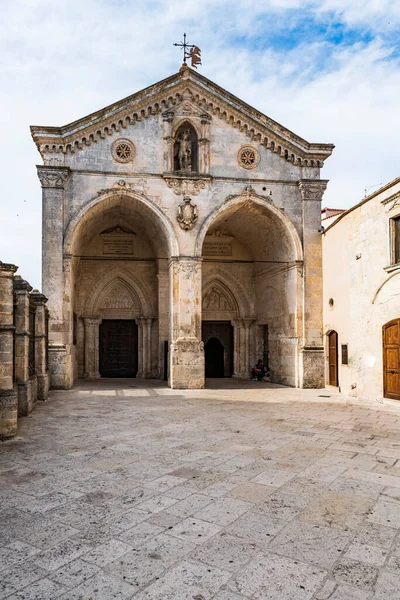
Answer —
242 491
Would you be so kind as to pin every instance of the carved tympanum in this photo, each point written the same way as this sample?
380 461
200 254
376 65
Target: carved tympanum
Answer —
215 299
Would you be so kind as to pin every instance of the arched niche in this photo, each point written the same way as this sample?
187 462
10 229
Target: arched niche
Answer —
186 159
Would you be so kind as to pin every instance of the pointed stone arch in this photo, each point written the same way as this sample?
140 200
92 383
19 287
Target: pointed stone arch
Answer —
158 218
232 289
141 299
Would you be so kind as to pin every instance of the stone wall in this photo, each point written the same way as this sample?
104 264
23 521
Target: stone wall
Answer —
24 377
362 289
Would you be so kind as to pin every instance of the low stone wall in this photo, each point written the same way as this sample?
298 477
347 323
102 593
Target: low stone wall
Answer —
24 377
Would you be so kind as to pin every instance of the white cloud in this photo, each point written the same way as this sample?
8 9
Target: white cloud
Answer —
62 60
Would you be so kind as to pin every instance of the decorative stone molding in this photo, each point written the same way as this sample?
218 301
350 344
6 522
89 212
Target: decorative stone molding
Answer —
187 214
312 189
182 88
123 150
52 177
248 157
183 186
249 193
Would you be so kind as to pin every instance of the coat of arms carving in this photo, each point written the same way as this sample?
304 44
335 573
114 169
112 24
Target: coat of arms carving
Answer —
187 214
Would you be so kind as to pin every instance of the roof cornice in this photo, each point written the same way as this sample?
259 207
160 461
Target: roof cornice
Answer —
164 96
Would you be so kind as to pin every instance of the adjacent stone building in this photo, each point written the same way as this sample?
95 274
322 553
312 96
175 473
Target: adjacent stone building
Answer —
361 252
181 239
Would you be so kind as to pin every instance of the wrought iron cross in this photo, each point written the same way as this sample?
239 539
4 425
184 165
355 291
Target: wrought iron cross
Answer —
194 53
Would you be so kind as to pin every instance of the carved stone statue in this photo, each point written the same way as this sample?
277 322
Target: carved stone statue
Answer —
185 151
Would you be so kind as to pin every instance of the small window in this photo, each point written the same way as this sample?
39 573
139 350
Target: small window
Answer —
345 354
396 240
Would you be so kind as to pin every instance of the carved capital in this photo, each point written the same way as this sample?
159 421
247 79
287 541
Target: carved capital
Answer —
52 177
312 189
168 116
20 285
7 269
38 298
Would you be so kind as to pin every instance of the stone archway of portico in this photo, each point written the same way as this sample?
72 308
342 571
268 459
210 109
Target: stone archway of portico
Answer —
159 220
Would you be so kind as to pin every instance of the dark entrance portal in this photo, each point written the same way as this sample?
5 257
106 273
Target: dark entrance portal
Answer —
218 348
118 346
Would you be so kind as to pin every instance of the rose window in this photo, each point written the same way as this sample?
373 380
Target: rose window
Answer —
248 157
123 151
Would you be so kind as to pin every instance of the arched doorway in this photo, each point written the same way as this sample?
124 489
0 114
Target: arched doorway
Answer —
218 348
117 287
214 358
391 359
333 358
252 267
118 348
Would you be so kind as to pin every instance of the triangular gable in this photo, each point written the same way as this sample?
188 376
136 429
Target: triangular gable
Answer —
171 94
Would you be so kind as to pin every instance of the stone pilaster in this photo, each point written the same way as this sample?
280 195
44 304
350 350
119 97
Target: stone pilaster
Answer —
92 325
53 181
8 391
163 313
40 345
22 335
312 352
186 349
169 153
204 144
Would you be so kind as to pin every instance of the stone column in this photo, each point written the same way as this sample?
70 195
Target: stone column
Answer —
148 348
169 156
40 342
186 349
8 391
163 313
142 341
204 144
91 325
312 366
22 333
236 348
53 180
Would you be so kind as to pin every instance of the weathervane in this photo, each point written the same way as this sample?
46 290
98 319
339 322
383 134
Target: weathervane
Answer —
194 53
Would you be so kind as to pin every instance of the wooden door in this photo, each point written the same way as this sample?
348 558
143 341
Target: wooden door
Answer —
118 347
391 359
218 348
333 358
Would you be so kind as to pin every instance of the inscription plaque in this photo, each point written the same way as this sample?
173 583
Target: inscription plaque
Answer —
118 241
217 244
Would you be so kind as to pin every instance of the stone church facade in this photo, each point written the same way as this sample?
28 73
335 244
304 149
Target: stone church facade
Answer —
181 240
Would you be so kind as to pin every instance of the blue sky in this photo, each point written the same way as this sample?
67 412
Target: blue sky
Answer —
329 70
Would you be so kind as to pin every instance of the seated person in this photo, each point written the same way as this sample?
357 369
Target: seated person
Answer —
258 371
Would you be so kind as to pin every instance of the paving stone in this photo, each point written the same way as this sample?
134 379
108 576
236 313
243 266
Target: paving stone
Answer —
45 589
194 529
223 511
337 510
273 477
270 577
74 573
386 512
345 592
393 564
61 554
290 500
371 555
387 586
16 552
354 573
163 519
250 492
107 552
156 504
189 506
187 580
19 577
226 552
101 587
375 535
256 527
312 543
138 535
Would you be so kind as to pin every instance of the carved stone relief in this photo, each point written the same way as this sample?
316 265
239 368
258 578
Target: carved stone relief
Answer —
123 150
185 187
215 299
187 214
52 178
